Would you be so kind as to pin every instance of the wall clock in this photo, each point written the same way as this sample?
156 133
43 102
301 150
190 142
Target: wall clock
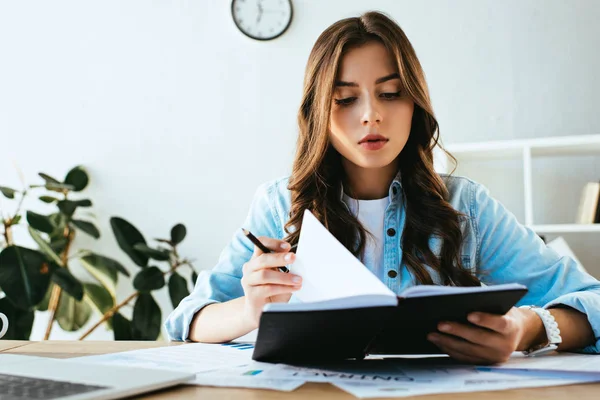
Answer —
262 19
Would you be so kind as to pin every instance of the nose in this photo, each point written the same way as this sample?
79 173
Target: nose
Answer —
370 115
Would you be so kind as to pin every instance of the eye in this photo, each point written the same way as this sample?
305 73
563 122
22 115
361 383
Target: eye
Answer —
345 102
390 96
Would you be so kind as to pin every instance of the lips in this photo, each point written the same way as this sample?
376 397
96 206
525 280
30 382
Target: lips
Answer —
372 138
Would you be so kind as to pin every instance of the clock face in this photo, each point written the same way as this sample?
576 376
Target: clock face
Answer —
262 19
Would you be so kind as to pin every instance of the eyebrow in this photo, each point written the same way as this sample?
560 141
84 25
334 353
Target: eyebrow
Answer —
386 78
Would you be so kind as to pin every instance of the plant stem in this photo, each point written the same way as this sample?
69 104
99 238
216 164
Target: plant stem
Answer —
8 234
52 306
57 290
109 314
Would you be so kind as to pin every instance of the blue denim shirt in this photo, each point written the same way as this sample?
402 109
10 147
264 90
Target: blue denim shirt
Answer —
496 248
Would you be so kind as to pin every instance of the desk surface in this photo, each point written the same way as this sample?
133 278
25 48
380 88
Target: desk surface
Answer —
314 391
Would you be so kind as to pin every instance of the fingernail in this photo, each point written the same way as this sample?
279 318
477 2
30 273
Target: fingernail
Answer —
473 318
444 327
288 257
296 279
285 245
432 337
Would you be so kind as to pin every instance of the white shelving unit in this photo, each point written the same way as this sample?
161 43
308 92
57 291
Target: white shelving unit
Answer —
526 150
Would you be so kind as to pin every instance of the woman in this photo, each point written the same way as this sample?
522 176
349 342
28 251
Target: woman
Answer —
364 167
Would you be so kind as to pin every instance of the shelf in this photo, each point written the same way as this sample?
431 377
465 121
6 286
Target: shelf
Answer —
550 146
566 228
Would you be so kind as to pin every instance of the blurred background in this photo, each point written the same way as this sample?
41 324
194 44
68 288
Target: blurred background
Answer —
177 116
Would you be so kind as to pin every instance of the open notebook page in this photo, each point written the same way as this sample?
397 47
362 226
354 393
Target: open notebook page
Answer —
329 271
433 290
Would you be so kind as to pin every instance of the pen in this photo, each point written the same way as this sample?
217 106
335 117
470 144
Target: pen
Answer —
261 246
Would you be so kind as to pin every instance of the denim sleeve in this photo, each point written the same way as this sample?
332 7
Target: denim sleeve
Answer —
509 252
223 281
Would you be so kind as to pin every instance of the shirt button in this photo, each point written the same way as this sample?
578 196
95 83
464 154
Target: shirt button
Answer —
392 273
391 232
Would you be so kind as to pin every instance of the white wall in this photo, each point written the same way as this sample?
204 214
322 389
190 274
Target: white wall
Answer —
178 116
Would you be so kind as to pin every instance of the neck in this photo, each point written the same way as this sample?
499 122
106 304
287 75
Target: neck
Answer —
369 183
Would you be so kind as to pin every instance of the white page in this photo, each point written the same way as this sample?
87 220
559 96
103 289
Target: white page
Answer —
328 270
246 376
192 358
433 290
363 390
557 362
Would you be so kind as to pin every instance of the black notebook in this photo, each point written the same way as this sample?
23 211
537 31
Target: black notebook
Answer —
354 327
343 311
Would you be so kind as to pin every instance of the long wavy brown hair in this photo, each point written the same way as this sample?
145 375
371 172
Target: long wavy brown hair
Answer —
317 170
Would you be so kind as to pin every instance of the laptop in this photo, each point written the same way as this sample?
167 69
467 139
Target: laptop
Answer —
30 377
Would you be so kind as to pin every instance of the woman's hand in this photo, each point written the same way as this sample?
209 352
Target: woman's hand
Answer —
491 338
263 283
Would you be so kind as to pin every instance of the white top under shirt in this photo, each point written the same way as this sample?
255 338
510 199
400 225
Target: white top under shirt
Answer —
370 213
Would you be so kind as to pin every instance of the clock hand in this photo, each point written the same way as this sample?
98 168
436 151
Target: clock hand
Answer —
260 11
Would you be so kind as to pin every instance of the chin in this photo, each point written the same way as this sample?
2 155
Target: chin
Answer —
374 162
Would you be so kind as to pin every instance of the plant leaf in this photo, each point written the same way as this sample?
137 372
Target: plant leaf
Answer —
122 327
78 178
24 276
16 220
128 236
155 254
65 279
149 279
67 207
48 178
87 227
71 314
177 288
99 298
40 222
45 247
194 278
21 321
83 203
146 319
43 305
178 233
96 259
103 272
8 192
58 245
48 199
57 187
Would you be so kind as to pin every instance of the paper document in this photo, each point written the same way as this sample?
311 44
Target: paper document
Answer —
227 365
192 358
566 364
393 378
247 376
396 389
328 270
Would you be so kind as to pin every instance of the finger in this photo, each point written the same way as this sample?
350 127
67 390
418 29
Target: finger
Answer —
494 322
265 291
458 345
462 357
272 244
271 276
271 260
473 334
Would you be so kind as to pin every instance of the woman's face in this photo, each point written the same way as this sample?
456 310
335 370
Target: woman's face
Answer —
370 112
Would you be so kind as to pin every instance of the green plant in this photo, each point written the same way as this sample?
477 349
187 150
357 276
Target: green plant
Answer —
41 279
146 320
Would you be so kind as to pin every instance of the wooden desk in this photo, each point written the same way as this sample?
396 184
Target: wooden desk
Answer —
314 391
